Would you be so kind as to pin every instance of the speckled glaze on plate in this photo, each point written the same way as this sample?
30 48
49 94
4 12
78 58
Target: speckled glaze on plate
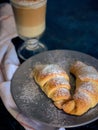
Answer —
35 104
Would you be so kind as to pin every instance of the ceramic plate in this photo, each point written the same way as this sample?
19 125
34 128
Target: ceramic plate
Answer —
35 104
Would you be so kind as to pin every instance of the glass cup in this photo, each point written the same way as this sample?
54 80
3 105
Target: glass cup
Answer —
30 18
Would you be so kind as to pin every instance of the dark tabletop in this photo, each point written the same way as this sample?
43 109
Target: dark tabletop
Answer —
71 25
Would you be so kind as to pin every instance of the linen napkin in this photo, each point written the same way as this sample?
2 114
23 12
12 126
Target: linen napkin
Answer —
8 64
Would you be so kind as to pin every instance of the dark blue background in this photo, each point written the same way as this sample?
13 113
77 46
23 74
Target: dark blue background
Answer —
72 25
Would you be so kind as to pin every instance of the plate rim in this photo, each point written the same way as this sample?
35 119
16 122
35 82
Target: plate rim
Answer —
71 126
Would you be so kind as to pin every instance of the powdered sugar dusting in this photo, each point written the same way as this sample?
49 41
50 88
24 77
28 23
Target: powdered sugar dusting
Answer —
61 92
89 76
52 68
88 86
85 71
82 91
43 110
88 72
29 93
82 95
60 80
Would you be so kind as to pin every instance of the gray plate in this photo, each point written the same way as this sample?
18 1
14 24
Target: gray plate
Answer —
35 104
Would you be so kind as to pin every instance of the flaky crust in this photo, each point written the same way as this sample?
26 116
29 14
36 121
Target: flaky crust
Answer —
86 93
54 82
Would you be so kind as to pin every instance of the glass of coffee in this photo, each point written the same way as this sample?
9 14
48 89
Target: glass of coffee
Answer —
30 18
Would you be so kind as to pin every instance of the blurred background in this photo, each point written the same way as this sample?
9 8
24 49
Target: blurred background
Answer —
77 31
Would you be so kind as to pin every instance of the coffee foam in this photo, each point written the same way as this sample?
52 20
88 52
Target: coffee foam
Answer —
32 3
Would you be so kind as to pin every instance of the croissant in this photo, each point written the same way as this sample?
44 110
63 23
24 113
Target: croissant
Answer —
54 82
86 92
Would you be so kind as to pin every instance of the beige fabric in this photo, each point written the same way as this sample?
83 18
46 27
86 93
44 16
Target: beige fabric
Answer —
9 63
